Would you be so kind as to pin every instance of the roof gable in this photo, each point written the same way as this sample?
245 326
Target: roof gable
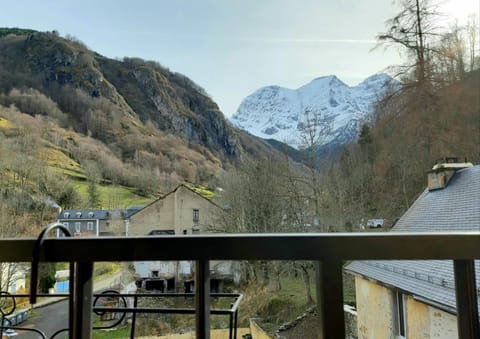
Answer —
179 187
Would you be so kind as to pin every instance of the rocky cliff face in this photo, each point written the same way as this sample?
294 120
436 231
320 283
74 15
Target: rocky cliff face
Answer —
133 89
327 105
172 101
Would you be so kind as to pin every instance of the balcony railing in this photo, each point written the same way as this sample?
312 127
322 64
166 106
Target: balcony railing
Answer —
328 250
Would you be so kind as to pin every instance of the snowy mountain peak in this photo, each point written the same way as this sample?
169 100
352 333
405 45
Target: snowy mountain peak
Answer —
279 113
330 79
376 81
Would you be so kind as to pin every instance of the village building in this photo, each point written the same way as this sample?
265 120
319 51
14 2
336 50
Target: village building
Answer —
179 212
92 223
416 298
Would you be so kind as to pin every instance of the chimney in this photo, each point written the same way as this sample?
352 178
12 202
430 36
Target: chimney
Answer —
439 176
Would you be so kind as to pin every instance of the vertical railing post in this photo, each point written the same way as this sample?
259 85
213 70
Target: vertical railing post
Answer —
467 309
82 320
134 317
319 294
71 299
202 299
235 324
230 326
329 287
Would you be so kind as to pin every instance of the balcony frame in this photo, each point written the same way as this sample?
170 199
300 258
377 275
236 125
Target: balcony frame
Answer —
329 250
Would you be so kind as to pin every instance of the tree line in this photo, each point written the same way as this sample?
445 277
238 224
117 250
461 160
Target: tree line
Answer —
434 112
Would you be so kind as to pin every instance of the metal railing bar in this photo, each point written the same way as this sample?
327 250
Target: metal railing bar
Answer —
202 299
235 324
109 294
36 254
59 332
230 326
237 296
16 328
156 310
467 308
311 246
157 295
42 295
82 316
235 305
329 249
330 299
134 318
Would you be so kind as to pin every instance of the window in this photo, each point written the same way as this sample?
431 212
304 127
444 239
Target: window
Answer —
400 321
79 214
65 224
66 215
90 214
90 225
77 226
196 215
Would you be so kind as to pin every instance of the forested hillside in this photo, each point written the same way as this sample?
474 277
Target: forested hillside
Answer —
75 125
433 113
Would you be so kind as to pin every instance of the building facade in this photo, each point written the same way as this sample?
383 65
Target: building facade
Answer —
92 223
416 298
182 211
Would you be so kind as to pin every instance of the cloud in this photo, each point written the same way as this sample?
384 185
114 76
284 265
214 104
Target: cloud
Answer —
342 41
315 41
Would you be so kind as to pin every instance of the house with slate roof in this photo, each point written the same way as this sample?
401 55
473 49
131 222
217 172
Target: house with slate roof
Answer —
415 298
93 223
179 212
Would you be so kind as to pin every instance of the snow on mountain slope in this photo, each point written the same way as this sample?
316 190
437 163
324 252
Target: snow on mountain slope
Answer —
337 110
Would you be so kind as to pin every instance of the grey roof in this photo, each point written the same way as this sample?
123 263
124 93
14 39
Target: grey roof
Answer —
132 209
454 208
84 214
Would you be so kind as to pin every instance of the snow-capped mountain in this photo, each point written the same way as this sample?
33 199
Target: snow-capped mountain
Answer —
334 108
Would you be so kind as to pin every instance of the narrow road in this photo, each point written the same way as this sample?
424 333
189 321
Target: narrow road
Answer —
48 319
51 318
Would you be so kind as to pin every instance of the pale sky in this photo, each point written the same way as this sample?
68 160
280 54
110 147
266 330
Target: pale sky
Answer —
230 47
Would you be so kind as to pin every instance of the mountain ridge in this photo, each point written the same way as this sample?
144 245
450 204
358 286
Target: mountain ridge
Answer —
336 109
148 118
141 89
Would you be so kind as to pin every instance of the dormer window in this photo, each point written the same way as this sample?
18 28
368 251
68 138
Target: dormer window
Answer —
66 215
90 214
79 214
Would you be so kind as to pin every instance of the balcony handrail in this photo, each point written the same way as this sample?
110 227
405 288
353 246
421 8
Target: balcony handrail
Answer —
277 246
329 250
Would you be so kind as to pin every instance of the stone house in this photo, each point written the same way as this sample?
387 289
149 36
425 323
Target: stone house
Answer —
179 212
416 298
182 211
92 223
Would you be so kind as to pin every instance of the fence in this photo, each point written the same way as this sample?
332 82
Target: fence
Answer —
329 251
